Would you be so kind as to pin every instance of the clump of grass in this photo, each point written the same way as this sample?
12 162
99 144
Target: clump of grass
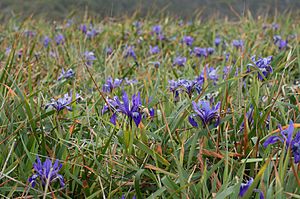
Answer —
163 156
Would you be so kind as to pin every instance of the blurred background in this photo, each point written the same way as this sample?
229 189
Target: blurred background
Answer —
59 9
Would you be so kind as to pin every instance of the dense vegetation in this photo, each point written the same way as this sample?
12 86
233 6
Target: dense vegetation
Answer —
150 109
59 9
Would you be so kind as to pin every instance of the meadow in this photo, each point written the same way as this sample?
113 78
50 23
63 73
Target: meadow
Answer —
150 108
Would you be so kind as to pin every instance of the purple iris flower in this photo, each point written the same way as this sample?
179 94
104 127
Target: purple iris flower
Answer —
83 28
205 112
129 108
111 84
210 50
151 112
245 186
130 81
218 40
295 147
192 121
46 41
188 40
264 65
108 50
89 32
66 75
189 86
200 52
179 61
137 24
275 26
226 71
129 52
227 55
112 103
92 33
156 64
89 57
157 29
276 38
123 197
286 136
161 37
154 50
53 54
282 44
203 52
212 74
69 23
268 122
63 102
238 43
7 51
173 85
59 39
46 172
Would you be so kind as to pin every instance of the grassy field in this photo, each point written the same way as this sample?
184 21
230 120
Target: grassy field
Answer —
150 109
